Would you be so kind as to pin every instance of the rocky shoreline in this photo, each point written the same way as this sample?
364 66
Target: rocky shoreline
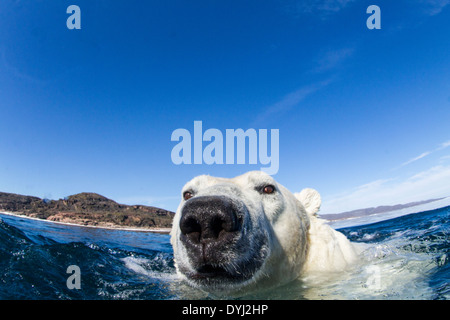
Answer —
90 225
88 209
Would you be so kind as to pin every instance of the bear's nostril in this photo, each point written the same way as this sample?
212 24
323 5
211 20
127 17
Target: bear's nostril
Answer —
191 228
190 225
216 225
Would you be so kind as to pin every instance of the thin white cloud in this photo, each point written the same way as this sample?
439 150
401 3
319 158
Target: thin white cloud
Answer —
434 7
290 100
423 155
323 7
332 59
16 72
442 146
326 61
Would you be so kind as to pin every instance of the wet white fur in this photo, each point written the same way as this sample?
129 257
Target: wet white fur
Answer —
298 242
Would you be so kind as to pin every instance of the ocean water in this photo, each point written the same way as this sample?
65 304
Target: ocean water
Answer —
405 257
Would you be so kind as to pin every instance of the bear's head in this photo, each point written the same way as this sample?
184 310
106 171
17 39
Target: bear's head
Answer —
233 235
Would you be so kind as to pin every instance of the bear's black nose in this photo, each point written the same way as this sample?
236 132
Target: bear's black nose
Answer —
208 225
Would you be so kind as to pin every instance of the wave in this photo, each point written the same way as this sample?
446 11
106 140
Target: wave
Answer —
402 258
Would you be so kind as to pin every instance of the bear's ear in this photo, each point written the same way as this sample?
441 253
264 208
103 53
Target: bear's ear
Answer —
310 200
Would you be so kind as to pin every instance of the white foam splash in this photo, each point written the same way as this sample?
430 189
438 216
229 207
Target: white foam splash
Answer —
146 267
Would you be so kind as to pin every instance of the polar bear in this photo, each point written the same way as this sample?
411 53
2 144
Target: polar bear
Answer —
235 236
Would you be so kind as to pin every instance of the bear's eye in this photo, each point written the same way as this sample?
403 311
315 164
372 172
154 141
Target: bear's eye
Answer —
268 189
187 195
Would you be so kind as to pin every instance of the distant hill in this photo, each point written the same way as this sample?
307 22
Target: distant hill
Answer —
87 209
373 210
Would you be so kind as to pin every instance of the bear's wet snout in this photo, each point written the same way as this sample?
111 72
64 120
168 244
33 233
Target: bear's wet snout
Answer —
208 226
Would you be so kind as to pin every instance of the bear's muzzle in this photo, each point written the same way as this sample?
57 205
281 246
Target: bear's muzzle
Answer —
209 225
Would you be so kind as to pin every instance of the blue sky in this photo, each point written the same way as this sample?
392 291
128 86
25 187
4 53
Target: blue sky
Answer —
363 115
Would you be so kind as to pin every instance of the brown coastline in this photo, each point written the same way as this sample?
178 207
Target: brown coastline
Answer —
101 226
88 209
